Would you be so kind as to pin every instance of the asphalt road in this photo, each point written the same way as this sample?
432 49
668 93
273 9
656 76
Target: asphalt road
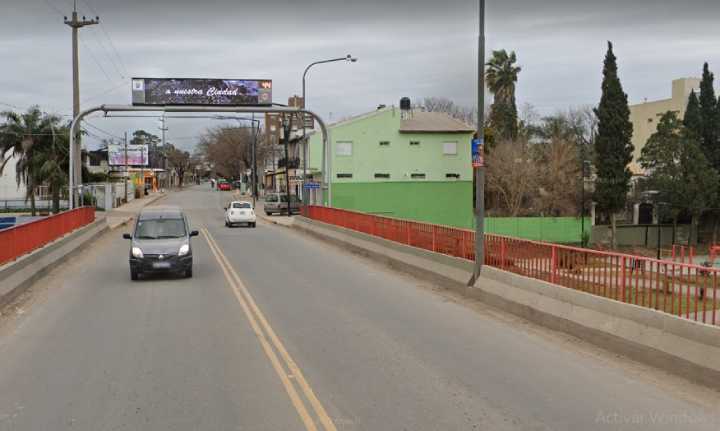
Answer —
277 331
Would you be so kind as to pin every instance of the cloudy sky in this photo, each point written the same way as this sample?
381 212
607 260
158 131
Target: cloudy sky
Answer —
412 48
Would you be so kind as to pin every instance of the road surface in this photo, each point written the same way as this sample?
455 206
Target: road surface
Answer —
277 331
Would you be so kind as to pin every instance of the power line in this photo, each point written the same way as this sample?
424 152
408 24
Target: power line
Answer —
53 7
107 35
95 59
108 91
87 123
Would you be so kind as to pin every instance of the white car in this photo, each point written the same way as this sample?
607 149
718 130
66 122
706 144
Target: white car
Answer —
240 212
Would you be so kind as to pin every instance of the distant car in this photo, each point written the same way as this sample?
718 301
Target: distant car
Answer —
237 184
161 242
224 185
240 212
276 203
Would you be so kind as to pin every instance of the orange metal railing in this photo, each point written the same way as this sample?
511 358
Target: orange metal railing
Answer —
22 239
682 289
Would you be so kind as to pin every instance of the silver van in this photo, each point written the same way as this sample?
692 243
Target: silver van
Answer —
277 203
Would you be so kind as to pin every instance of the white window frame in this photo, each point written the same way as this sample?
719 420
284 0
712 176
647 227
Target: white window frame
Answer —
447 151
345 145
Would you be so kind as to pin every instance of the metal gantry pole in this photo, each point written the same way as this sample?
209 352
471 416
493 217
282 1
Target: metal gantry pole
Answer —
480 170
74 126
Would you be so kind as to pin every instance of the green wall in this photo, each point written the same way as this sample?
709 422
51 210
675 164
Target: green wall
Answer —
447 203
548 229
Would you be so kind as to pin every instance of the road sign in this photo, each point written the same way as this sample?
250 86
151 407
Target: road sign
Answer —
212 92
310 186
478 158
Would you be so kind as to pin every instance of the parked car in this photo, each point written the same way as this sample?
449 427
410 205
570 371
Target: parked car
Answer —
240 212
224 185
161 242
276 203
237 184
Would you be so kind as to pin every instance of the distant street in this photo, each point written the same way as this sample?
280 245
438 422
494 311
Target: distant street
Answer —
277 331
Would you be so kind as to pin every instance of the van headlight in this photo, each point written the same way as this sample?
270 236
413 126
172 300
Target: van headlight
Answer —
136 252
184 249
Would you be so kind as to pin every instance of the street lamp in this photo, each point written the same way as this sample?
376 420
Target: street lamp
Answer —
350 59
287 124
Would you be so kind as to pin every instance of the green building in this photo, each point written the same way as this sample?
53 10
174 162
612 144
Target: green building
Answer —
400 163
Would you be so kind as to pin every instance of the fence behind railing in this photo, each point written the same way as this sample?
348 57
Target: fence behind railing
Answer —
22 239
682 289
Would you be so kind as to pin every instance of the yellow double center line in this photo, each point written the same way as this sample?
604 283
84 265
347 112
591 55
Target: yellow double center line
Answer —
286 369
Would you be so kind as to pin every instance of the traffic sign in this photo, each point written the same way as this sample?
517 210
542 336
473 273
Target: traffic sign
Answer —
310 186
478 159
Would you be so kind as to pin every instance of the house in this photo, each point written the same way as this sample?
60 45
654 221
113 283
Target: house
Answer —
9 189
400 163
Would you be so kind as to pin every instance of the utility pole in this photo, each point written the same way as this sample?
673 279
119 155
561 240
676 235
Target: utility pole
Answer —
127 173
287 126
76 24
164 149
255 131
480 170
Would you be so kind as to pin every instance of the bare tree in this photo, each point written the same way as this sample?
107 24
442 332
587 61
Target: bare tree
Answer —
512 176
442 104
229 149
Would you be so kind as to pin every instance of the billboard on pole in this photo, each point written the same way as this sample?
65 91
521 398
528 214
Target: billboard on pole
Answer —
195 91
137 155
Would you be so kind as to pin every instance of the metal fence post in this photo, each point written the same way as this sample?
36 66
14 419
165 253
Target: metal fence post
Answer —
502 252
624 276
553 265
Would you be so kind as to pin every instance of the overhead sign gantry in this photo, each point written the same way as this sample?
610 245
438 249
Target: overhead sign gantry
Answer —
174 95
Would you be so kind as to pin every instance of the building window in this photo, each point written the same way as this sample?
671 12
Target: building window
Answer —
384 143
343 149
344 175
414 143
450 148
417 176
382 176
456 176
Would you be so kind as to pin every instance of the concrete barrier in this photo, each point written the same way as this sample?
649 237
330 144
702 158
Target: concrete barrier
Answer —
680 346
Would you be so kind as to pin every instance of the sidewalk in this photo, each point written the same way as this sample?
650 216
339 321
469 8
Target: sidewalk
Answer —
124 213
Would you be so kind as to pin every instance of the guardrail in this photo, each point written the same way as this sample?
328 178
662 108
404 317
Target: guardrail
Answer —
22 239
682 289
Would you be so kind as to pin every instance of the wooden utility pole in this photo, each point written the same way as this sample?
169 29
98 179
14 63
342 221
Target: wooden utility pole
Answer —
76 24
127 173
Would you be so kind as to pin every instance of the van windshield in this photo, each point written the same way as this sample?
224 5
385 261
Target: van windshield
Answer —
160 229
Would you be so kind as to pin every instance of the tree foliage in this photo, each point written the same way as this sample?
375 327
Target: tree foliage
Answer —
709 118
613 146
40 144
678 168
501 77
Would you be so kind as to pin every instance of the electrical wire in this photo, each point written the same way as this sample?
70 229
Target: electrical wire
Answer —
95 59
107 35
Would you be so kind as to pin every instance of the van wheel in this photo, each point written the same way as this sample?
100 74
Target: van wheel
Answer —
268 213
134 275
188 273
252 224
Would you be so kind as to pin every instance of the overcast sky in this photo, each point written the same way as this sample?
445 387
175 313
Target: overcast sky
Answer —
412 48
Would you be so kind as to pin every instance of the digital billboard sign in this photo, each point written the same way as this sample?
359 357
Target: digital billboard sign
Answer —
194 91
137 155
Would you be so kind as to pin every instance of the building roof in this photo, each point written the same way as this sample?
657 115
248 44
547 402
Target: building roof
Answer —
433 122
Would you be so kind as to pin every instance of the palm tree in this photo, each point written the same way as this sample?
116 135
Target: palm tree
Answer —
501 76
23 136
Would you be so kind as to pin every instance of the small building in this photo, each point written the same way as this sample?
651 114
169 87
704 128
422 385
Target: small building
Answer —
400 163
645 116
9 188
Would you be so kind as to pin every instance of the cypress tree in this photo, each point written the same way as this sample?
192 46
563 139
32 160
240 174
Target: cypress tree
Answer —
709 114
613 146
693 118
